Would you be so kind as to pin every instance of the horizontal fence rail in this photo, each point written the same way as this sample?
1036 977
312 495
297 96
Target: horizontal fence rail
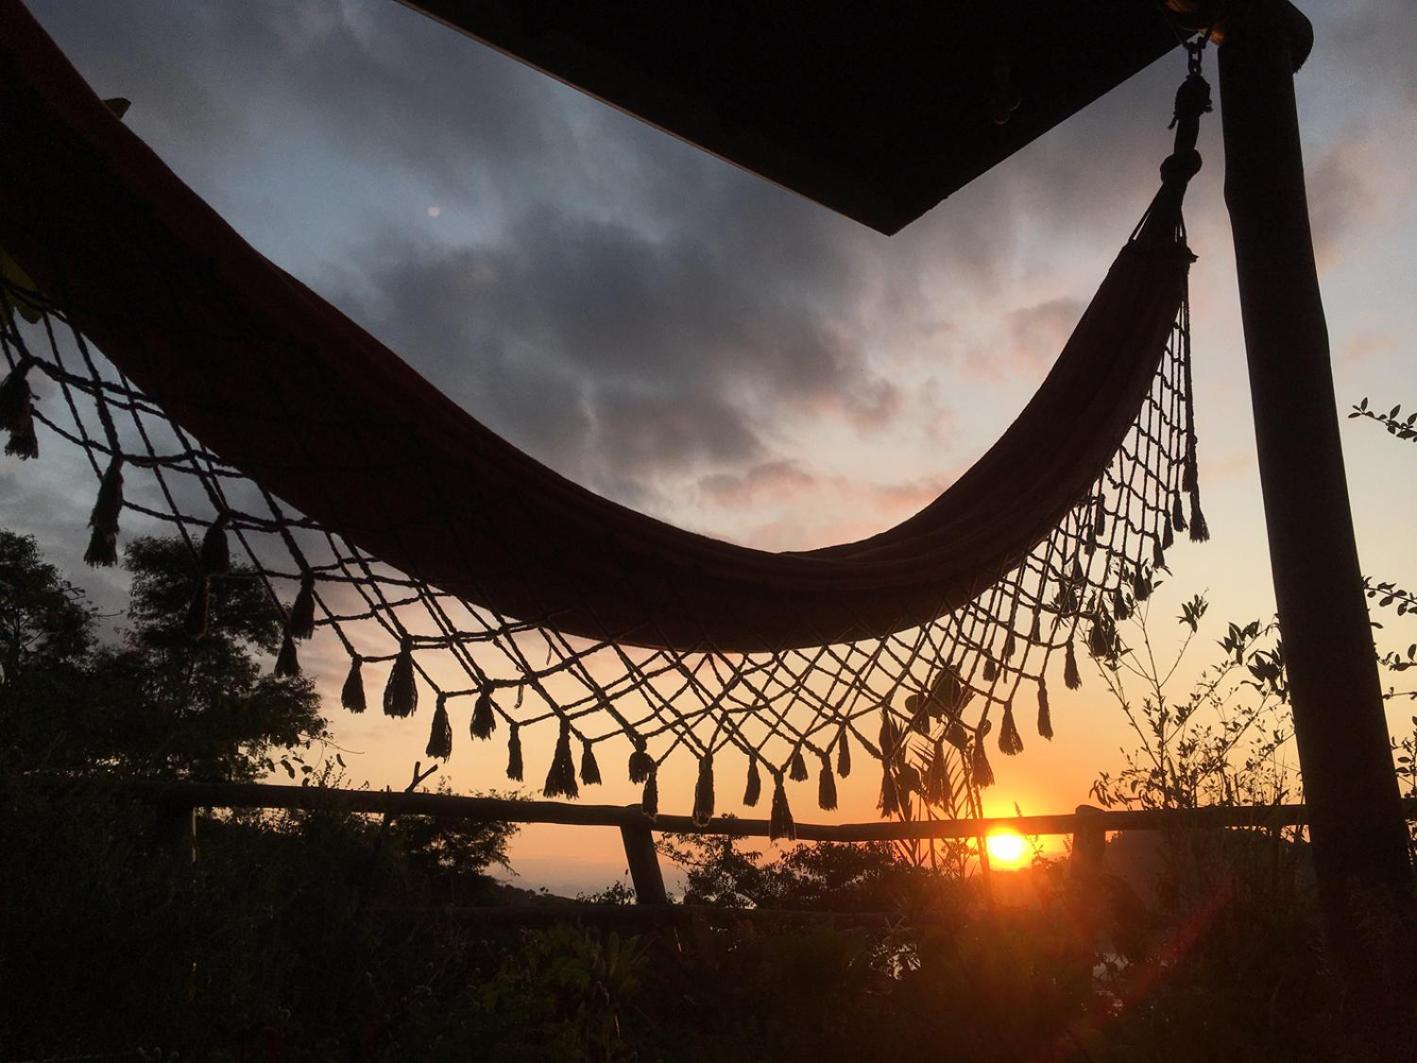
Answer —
1088 826
510 810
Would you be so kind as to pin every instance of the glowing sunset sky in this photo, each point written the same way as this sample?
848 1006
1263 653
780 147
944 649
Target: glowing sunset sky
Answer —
695 342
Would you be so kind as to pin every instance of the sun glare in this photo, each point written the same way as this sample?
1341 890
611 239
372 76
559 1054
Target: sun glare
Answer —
1006 848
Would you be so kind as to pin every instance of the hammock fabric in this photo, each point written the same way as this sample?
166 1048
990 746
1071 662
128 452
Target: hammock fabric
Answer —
230 400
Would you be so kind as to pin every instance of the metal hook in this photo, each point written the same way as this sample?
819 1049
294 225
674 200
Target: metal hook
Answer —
1195 49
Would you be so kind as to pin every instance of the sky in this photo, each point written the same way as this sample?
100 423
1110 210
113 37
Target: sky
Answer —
693 341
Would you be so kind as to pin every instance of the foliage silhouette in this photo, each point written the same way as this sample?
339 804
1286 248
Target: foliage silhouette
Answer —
300 935
156 702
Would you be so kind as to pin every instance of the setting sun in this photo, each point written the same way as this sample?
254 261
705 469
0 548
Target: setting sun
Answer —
1006 848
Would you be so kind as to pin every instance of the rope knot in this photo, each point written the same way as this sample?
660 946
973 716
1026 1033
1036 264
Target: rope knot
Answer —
1192 100
1180 167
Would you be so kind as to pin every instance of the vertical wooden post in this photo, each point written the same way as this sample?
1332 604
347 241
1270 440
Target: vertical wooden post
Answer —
644 864
177 823
1089 844
1356 822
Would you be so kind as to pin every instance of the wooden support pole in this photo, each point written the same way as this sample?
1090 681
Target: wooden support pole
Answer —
1356 821
1089 843
177 824
644 864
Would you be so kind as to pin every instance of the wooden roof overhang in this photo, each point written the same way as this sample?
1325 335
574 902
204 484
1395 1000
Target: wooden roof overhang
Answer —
877 112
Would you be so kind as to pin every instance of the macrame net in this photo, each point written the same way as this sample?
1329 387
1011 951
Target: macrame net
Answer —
458 592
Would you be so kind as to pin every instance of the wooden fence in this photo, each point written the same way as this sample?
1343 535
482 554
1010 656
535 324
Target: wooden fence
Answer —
1088 827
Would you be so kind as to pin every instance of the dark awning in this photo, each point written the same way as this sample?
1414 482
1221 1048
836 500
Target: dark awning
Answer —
875 111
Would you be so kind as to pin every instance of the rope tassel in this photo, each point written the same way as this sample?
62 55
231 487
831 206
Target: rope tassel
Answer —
754 789
15 394
23 443
1071 679
649 797
780 825
1010 741
980 770
889 801
641 763
826 786
216 551
1200 530
17 412
703 791
1190 476
561 776
302 610
1121 608
401 692
590 767
351 695
1045 715
514 752
484 716
888 735
798 770
213 559
843 754
440 738
103 543
1100 635
287 662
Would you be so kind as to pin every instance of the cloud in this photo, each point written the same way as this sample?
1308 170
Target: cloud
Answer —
1040 331
1361 346
629 310
590 342
1365 49
788 507
1342 196
772 480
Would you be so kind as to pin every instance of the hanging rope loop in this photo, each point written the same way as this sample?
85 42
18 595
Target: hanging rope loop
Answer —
1162 225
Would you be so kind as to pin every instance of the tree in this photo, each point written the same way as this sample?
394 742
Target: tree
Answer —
828 876
46 646
45 621
157 702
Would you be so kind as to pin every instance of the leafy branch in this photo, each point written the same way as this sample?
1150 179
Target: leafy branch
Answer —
1211 744
1391 420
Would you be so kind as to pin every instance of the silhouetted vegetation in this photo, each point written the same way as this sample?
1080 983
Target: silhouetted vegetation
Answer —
156 702
324 934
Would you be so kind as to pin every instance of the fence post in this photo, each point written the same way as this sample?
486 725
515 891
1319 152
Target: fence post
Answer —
1089 842
177 828
644 864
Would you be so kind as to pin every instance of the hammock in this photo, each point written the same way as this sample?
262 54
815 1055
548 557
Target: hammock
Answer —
231 401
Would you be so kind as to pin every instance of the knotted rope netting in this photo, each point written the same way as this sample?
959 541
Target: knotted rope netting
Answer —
214 394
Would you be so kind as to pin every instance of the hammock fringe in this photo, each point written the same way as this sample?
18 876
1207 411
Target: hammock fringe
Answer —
424 530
